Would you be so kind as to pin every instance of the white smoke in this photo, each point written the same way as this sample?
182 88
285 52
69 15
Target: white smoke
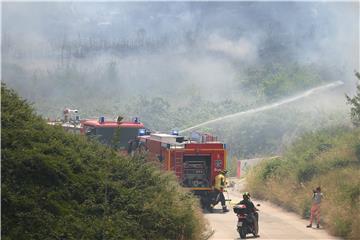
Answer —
241 49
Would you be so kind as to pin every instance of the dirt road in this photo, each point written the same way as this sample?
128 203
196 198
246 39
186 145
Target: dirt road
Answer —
274 222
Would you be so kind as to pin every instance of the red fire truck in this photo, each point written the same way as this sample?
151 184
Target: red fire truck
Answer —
113 133
195 161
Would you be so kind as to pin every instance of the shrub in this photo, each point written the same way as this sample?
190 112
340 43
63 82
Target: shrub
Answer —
357 152
61 186
306 172
270 168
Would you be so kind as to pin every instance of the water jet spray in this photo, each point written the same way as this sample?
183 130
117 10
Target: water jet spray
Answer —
270 106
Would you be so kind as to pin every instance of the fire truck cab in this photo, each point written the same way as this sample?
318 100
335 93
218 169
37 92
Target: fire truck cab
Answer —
112 133
195 161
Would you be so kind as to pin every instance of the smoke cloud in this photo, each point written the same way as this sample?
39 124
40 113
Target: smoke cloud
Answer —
170 48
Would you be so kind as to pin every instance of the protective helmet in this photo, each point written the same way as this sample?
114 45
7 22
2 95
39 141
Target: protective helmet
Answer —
246 195
224 171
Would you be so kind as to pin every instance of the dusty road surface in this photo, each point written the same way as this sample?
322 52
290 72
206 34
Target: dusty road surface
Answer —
274 222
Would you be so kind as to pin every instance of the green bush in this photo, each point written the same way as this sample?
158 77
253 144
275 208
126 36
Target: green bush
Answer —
306 172
270 168
342 226
61 186
357 152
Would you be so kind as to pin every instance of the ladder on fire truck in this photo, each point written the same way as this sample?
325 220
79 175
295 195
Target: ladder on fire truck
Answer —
178 164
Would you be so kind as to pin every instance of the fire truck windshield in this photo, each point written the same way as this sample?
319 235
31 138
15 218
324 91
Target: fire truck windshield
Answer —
118 137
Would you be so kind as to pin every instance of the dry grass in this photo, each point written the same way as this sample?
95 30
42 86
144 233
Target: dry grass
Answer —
336 169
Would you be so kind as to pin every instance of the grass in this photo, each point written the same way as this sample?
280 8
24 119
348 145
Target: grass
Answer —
328 158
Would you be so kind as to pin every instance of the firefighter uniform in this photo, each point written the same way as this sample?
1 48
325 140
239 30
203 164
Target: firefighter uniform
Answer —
220 182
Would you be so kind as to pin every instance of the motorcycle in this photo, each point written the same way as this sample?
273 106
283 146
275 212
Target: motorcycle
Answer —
246 221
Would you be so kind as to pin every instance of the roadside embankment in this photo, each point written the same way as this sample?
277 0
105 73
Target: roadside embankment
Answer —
55 185
329 158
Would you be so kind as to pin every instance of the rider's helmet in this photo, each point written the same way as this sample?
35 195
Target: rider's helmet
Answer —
246 195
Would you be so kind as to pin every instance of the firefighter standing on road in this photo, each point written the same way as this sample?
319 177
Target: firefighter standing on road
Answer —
220 183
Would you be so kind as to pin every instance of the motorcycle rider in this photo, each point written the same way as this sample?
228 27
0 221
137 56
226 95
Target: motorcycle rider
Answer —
220 184
252 211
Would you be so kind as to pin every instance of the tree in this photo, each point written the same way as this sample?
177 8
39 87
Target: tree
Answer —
355 102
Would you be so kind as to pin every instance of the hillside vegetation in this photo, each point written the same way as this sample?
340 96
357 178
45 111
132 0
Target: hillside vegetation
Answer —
60 186
328 158
185 71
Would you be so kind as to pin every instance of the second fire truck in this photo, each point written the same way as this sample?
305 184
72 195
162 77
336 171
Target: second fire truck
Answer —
195 161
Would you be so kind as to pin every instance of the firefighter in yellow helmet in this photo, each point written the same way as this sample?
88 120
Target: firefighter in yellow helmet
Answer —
220 184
